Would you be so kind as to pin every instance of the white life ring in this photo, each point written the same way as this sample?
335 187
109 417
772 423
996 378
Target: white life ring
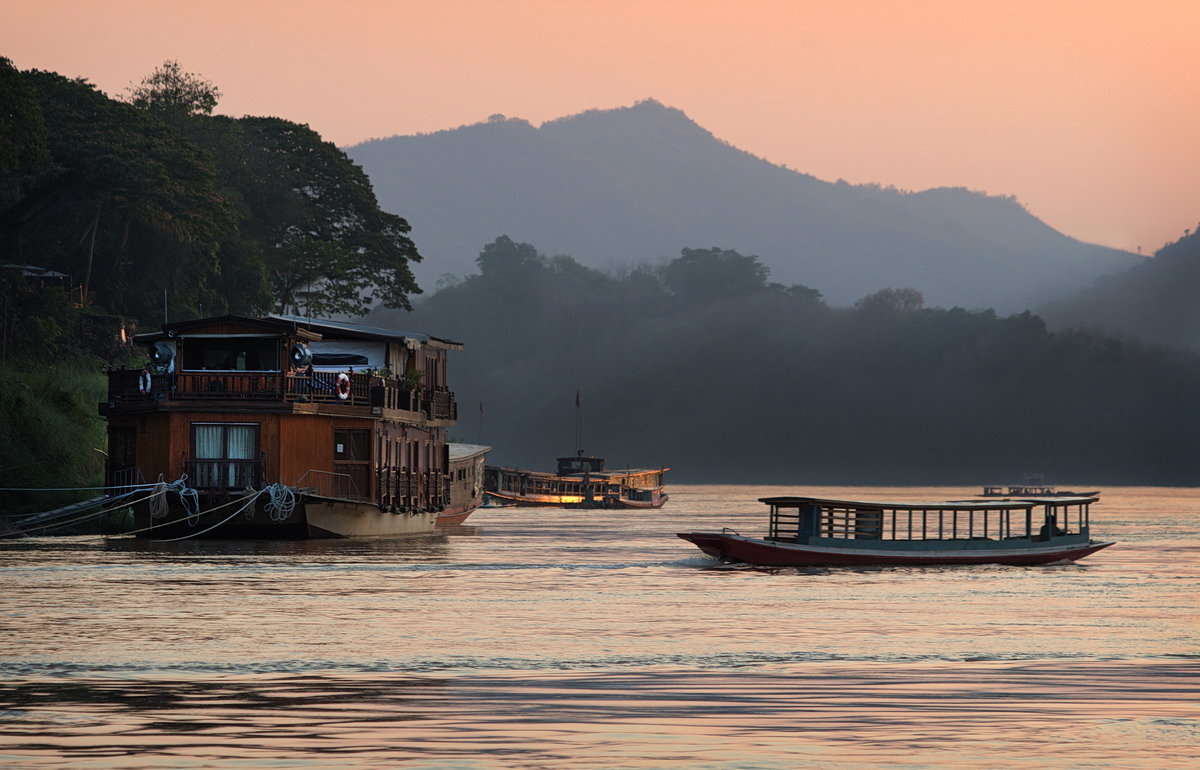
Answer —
144 382
343 386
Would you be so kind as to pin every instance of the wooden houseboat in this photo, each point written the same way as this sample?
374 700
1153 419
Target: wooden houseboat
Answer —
579 482
466 482
283 426
817 532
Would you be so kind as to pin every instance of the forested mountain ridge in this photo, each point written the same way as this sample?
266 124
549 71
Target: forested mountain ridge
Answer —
1157 300
705 365
637 184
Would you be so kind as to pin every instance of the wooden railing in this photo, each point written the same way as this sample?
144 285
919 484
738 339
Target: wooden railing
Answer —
126 385
409 490
207 475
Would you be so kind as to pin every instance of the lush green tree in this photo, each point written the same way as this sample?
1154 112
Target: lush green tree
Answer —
174 94
708 274
891 302
321 237
22 132
118 177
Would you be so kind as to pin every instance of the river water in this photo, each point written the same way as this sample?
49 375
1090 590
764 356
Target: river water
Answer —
565 638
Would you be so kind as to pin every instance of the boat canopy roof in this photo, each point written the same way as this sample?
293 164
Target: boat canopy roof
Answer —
463 451
948 505
345 329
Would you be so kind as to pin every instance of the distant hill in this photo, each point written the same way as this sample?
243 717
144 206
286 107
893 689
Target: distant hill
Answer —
1158 300
638 184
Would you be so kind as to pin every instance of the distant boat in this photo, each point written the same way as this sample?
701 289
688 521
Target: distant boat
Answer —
465 478
580 482
1027 490
818 532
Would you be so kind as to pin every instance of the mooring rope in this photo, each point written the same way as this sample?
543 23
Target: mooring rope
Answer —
122 503
189 497
253 497
282 502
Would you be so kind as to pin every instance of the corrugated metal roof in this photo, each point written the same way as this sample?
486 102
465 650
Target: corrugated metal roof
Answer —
463 451
346 327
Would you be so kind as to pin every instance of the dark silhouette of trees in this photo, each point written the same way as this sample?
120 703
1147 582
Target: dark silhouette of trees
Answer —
158 196
708 274
174 94
769 384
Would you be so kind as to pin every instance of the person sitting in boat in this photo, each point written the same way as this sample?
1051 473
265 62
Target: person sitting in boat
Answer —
1050 529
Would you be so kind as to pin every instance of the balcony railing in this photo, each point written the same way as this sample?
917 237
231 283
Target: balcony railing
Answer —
128 385
407 489
211 475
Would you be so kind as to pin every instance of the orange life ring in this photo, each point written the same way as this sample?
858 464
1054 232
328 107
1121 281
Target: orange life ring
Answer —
343 386
144 382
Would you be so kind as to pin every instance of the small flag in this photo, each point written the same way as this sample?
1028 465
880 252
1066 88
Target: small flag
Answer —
576 398
481 406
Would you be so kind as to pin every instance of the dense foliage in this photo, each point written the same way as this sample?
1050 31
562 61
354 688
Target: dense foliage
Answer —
157 201
736 379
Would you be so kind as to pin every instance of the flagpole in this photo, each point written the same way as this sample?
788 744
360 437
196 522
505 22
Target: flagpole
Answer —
578 426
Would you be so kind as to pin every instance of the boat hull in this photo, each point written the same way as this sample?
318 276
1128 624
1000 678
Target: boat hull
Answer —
313 517
457 514
766 553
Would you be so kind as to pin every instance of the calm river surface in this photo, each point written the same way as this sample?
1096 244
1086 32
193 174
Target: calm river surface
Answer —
555 638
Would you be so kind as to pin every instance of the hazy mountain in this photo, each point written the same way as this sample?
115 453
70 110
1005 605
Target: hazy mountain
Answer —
1158 300
637 184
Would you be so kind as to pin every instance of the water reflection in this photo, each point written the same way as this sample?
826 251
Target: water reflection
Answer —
596 638
779 718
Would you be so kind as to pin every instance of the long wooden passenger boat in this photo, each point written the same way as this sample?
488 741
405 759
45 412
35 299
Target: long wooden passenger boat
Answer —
579 482
818 532
284 427
466 482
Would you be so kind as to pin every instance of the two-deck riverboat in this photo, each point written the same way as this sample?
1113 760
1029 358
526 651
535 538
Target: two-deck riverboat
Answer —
283 427
580 482
819 532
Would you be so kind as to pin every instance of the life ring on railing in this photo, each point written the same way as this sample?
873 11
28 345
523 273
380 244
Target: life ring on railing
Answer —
144 382
343 386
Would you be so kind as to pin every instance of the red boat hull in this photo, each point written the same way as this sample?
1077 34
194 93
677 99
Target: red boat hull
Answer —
735 548
457 514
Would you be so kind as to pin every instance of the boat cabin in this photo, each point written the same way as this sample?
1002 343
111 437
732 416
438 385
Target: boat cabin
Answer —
817 521
569 466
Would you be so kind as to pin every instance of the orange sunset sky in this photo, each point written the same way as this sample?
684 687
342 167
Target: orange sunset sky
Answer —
1085 110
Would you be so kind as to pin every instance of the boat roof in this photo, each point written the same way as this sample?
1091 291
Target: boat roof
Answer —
312 329
788 501
463 451
346 329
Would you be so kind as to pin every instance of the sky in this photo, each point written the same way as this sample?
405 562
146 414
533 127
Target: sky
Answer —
1085 110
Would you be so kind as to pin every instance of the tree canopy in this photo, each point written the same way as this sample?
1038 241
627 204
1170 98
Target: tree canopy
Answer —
158 197
728 378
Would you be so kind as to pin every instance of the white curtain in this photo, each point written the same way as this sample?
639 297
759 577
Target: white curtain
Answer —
210 441
225 442
242 442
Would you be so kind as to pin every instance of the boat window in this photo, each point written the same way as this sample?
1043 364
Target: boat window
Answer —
225 455
351 445
230 354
